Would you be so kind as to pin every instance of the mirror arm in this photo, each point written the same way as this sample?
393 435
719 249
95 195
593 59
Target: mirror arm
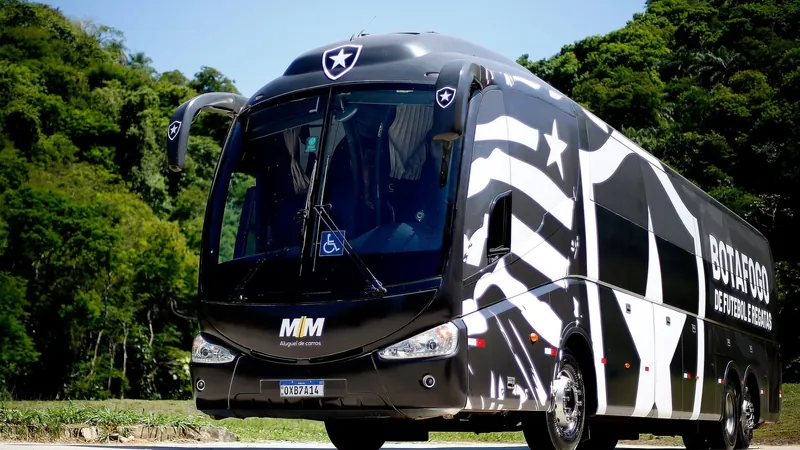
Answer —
226 103
460 79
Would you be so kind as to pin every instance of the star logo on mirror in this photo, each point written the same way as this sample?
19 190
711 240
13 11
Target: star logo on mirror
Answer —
173 129
445 96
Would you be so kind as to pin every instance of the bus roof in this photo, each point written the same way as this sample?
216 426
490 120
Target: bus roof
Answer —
414 57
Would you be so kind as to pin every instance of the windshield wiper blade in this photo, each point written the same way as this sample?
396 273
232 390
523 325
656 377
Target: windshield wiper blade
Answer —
374 286
236 295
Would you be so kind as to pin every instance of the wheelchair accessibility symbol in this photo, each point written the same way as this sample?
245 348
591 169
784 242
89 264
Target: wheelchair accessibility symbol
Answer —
331 244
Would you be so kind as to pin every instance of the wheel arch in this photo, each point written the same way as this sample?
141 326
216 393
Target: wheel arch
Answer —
733 373
576 339
750 380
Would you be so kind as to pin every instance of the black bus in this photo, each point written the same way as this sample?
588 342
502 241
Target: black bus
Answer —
410 233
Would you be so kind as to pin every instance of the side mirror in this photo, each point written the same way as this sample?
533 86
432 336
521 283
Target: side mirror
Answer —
178 129
457 80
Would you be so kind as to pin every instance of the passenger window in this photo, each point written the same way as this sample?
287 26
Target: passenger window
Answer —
499 235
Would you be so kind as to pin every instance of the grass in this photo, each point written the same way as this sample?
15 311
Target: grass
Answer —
32 420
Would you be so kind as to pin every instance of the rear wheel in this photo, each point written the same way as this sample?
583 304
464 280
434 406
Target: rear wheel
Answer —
747 420
564 420
348 435
722 435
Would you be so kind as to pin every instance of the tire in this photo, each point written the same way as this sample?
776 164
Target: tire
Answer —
567 407
347 435
747 420
722 435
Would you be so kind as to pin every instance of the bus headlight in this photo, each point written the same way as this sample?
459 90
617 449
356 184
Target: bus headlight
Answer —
208 353
439 341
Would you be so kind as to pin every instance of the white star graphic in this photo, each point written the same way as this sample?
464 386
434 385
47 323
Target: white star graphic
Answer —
339 60
173 129
445 97
557 147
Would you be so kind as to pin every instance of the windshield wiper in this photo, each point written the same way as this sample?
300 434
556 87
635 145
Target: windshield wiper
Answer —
236 295
374 286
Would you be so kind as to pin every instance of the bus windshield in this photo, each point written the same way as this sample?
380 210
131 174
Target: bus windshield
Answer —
382 180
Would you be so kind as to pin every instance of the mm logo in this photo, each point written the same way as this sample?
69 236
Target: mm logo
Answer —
302 327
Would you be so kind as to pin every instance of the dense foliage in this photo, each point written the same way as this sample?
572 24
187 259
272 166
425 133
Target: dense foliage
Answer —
99 242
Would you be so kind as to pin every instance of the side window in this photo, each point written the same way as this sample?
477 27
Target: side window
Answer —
487 227
498 240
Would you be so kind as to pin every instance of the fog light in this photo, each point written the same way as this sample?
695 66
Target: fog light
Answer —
201 384
428 381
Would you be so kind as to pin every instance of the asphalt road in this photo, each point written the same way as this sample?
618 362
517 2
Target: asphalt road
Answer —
301 446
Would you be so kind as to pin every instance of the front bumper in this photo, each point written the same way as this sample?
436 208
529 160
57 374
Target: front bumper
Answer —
363 387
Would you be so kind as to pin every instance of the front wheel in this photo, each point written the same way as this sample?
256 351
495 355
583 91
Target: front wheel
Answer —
348 435
566 414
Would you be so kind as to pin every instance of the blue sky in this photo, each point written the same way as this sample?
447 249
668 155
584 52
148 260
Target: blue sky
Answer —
253 41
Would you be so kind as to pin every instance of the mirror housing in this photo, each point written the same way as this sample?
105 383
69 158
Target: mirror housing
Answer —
226 103
457 80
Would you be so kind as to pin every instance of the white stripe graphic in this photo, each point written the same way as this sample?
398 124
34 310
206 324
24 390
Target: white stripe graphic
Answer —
654 289
491 385
543 190
640 325
507 128
483 170
496 130
667 338
540 393
473 319
522 134
537 252
698 386
606 160
539 314
511 349
592 272
475 244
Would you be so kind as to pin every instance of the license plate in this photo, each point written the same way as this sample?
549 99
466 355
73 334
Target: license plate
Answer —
302 388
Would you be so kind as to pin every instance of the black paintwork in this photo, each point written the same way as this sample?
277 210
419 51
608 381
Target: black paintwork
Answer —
576 267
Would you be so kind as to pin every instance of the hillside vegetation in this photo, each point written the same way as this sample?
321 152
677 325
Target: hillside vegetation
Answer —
99 242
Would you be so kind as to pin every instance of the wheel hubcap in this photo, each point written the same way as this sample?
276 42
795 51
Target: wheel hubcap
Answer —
567 405
748 415
730 420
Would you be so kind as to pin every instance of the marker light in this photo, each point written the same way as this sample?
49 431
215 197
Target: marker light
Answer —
207 353
439 341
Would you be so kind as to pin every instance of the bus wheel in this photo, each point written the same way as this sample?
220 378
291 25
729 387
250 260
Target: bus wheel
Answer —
348 435
723 434
567 410
747 420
